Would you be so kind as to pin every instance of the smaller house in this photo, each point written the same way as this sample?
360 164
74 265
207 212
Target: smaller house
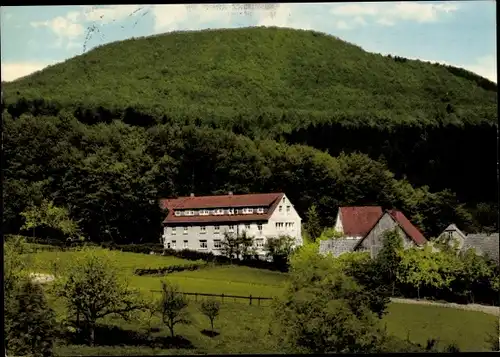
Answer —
452 236
484 245
356 222
372 232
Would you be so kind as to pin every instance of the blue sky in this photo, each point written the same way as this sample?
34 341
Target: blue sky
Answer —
461 33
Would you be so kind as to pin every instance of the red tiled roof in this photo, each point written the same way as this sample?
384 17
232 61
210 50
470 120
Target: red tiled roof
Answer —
358 221
269 200
408 227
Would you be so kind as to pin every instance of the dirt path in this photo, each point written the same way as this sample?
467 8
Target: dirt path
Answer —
492 310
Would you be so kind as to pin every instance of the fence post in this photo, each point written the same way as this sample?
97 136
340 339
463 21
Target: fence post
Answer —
196 297
222 297
258 301
250 299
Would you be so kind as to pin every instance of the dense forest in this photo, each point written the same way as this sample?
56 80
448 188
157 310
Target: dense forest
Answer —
107 133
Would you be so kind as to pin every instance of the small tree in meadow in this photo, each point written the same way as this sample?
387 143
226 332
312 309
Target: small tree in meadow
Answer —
173 307
210 308
93 287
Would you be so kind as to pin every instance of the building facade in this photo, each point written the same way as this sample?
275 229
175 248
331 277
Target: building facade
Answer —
364 229
199 223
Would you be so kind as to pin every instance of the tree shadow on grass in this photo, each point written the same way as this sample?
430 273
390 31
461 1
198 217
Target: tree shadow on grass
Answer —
210 333
115 336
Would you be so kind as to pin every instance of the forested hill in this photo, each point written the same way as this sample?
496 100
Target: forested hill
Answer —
246 110
263 76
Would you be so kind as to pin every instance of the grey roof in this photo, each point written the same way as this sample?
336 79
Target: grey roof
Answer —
338 246
452 227
484 244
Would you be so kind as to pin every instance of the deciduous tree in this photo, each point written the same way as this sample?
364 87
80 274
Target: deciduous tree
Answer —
172 307
94 287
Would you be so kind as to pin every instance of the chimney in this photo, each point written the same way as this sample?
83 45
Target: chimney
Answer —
192 194
230 193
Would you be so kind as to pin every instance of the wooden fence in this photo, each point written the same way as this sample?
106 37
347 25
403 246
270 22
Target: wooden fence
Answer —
251 299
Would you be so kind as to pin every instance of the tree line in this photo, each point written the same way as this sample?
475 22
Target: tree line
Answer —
108 177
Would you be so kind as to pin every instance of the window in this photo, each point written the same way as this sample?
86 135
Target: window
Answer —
287 209
174 244
247 210
204 212
174 231
283 200
216 229
185 244
289 224
259 242
259 227
260 210
189 213
247 226
230 211
203 244
231 228
217 244
219 211
281 208
185 230
177 213
279 224
203 229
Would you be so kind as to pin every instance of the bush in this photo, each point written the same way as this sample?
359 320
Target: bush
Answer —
168 270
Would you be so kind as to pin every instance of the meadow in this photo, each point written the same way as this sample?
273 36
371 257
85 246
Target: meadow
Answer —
243 328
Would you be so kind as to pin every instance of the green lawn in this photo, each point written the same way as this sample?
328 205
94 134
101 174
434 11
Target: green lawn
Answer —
228 280
42 262
242 327
468 329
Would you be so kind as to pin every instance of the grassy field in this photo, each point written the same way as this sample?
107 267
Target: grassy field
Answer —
468 329
243 328
43 262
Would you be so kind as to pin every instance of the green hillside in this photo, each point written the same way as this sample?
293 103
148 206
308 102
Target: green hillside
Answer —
249 110
220 75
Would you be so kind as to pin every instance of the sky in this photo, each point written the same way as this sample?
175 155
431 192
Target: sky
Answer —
461 33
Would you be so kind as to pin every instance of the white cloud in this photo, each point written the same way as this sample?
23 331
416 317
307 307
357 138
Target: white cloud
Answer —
12 70
387 14
485 66
63 27
108 14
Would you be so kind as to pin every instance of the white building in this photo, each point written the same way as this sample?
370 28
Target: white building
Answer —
199 223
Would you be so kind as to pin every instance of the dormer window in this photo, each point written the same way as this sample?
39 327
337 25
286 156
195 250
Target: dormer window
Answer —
177 213
260 210
204 212
189 213
247 210
230 211
218 211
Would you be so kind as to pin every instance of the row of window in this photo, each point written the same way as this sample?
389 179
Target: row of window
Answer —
218 211
230 211
285 224
259 243
203 229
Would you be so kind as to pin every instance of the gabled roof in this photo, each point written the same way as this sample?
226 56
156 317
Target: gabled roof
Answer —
358 221
338 246
453 228
403 222
408 227
484 244
267 200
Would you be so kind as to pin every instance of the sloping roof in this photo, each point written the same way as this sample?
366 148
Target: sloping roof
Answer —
408 227
338 246
358 221
484 244
268 200
453 228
